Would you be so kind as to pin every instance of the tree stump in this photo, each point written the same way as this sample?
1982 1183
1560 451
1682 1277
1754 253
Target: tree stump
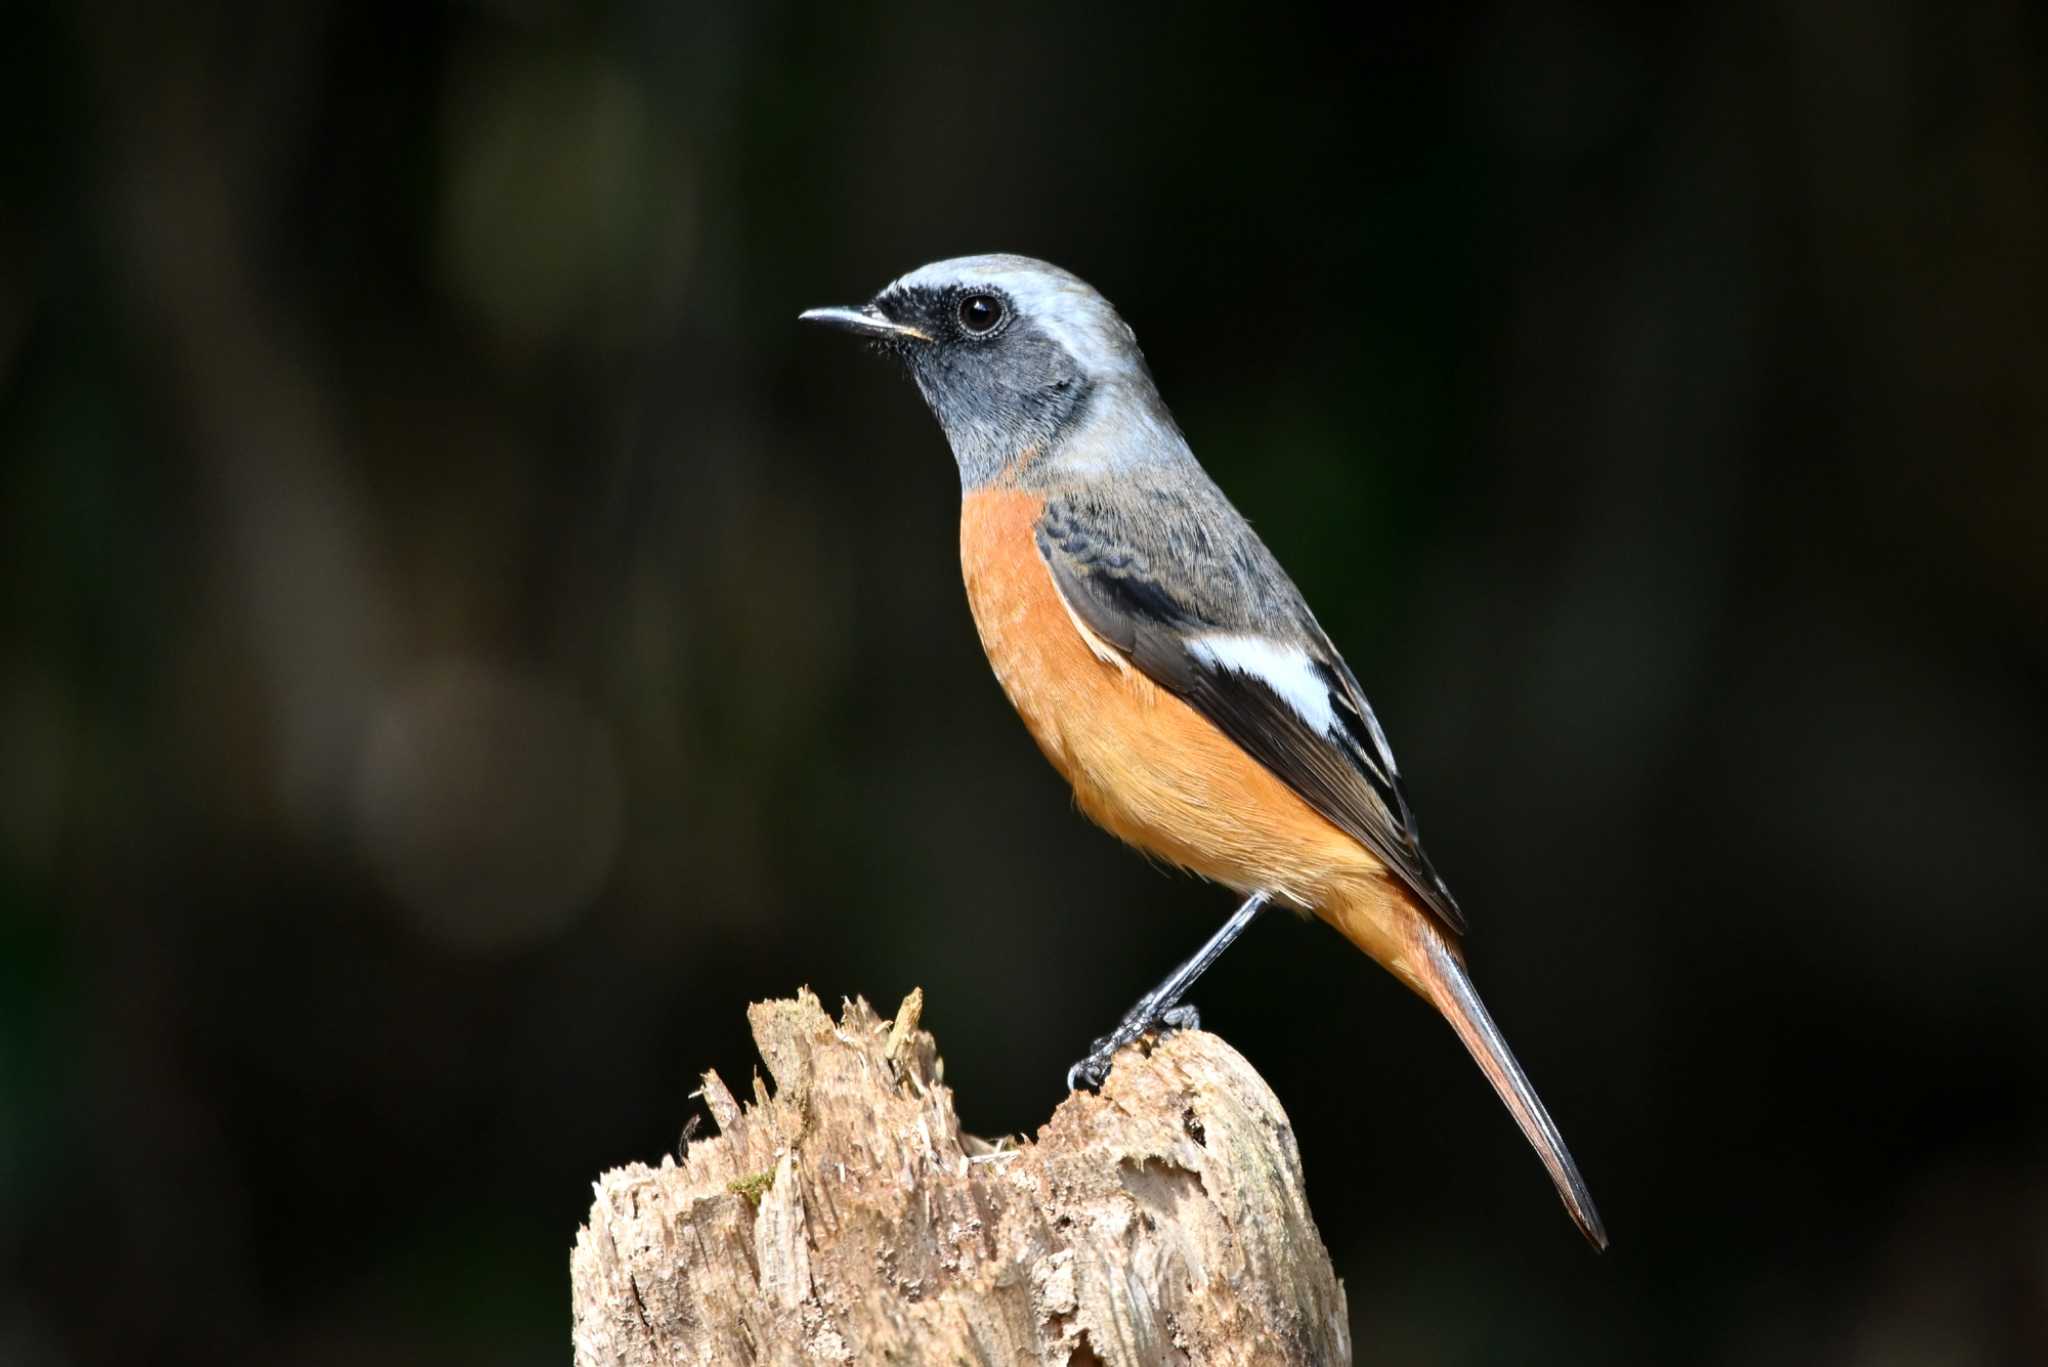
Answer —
846 1219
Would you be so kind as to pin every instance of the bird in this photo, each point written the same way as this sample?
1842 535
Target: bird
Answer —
1162 659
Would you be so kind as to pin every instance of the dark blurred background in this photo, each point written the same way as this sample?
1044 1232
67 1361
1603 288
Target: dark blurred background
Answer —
464 640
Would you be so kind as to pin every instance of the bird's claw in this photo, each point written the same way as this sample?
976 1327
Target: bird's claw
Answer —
1091 1072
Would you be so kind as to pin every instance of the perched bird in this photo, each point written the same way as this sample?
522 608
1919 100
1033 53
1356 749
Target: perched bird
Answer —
1159 655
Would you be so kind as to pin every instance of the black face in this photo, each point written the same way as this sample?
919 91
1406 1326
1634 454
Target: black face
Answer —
996 381
954 315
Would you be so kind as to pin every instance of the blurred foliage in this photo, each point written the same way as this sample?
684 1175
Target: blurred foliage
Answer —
463 641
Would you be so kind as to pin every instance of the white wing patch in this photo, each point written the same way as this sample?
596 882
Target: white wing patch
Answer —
1284 668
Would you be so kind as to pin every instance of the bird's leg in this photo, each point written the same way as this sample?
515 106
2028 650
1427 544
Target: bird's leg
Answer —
1161 1007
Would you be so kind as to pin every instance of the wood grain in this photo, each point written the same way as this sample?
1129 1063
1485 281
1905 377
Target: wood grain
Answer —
845 1218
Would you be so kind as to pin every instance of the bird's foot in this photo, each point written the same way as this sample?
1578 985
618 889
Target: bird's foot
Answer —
1143 1019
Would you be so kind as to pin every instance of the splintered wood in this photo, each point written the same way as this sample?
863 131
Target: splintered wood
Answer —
846 1219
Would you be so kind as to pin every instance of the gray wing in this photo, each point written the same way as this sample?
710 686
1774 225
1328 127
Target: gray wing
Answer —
1178 582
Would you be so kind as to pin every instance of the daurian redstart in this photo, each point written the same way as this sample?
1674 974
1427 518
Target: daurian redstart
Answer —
1162 659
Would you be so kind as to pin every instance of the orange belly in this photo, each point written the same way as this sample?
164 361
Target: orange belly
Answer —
1146 766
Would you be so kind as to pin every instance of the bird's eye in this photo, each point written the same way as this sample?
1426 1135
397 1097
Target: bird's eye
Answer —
979 313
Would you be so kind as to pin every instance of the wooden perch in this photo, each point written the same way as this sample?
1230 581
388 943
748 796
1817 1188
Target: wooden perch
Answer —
846 1219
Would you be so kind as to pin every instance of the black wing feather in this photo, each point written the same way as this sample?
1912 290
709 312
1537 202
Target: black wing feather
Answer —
1350 777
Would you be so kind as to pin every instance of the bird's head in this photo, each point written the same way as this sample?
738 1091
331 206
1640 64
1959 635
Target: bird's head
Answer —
1015 358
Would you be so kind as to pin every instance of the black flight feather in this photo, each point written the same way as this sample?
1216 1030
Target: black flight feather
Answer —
1346 773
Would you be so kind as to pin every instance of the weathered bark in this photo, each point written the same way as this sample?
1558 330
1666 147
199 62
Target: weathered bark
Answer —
846 1219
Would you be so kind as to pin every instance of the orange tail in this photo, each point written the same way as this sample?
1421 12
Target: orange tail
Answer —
1449 987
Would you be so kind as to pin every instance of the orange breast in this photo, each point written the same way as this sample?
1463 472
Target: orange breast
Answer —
1144 764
